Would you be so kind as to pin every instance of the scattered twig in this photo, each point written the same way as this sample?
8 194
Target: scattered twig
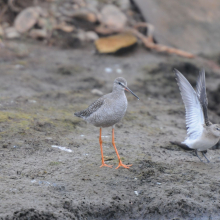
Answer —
150 29
148 42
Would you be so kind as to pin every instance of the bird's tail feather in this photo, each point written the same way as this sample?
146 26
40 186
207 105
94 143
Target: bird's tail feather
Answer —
183 146
78 114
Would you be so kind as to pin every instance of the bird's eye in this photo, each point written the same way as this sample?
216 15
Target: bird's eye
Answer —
218 129
119 83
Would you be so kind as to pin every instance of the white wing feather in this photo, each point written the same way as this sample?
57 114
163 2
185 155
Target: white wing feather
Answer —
194 112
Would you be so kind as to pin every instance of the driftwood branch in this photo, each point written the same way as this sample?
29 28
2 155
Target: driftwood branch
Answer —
146 40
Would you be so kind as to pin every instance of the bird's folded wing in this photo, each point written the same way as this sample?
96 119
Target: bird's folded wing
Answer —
194 111
91 109
201 93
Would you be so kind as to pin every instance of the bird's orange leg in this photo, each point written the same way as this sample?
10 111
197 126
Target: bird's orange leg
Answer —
100 141
120 162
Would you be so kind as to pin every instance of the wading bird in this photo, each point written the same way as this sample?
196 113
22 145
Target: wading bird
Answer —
107 111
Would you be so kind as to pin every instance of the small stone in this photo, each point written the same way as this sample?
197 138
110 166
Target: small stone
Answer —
64 27
38 33
92 5
11 33
91 17
85 14
81 35
112 17
91 36
97 92
26 19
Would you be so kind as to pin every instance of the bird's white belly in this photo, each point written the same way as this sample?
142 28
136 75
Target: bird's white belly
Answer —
201 144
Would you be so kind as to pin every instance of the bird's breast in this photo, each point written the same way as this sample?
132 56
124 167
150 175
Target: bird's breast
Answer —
111 112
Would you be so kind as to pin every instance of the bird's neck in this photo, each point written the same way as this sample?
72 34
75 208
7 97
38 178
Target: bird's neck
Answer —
118 93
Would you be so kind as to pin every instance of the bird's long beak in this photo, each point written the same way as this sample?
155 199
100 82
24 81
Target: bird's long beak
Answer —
127 89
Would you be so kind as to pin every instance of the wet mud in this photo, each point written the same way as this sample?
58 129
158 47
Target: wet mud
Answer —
41 90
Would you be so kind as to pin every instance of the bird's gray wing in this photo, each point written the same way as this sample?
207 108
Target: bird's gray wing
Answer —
201 93
91 109
194 112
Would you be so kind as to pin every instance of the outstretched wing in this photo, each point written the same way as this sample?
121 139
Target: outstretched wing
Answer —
201 93
194 111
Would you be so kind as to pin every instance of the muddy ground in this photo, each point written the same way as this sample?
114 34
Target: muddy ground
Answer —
41 87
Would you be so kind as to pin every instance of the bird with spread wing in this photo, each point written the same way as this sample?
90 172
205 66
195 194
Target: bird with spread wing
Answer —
201 133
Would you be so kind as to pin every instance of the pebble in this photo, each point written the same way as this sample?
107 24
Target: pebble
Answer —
26 19
91 36
38 33
11 33
112 17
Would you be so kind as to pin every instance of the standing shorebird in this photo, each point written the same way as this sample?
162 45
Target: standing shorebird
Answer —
201 133
107 111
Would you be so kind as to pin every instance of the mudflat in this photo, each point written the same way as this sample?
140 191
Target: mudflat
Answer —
42 87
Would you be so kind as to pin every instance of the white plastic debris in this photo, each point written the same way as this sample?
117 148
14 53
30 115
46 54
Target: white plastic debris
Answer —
62 148
108 70
32 101
119 71
136 193
158 183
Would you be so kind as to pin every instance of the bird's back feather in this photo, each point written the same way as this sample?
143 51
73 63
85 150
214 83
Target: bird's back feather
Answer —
91 109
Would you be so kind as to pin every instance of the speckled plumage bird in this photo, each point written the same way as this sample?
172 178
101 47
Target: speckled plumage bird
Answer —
107 111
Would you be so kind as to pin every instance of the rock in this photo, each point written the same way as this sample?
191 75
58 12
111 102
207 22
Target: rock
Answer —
86 36
192 26
67 12
64 27
81 35
38 33
26 19
85 14
11 33
92 4
113 43
91 36
112 17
